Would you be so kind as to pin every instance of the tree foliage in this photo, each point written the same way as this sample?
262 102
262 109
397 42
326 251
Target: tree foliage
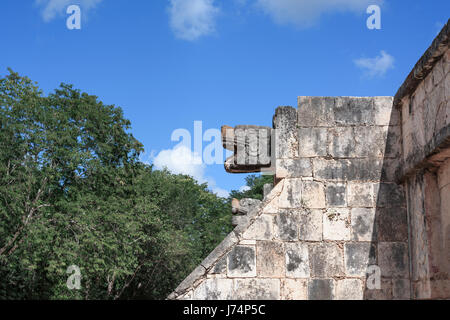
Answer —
73 192
255 187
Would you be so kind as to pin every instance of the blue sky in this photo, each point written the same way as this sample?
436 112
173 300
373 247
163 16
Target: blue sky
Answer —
169 63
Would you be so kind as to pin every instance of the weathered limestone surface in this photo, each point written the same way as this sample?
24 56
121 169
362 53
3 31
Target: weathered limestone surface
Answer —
424 101
360 207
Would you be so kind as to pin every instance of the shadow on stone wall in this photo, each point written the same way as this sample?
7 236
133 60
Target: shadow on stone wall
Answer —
388 249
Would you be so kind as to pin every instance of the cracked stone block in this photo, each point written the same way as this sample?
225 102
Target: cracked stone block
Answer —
256 289
241 262
321 289
310 225
312 142
389 195
354 111
360 195
349 289
313 194
270 260
392 224
214 289
401 289
286 226
294 289
291 196
336 195
293 168
297 260
336 224
260 229
393 259
363 224
327 260
316 111
359 256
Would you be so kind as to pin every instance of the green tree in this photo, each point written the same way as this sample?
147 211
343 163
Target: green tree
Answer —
255 187
73 192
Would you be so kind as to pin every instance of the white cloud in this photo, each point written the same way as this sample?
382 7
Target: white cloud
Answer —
244 188
181 160
377 66
52 8
192 19
304 13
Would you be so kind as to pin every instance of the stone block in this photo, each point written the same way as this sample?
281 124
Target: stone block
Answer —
353 142
223 247
291 196
260 229
367 169
294 289
267 188
321 289
310 225
391 141
349 289
316 111
389 195
354 111
363 224
336 224
342 142
286 139
360 195
198 272
438 72
393 259
392 224
256 289
358 256
241 262
313 194
384 293
297 260
401 289
326 260
286 226
270 260
336 195
214 289
421 290
385 114
293 168
428 83
312 142
220 267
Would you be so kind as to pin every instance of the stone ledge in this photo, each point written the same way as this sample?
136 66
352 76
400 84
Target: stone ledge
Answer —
437 150
425 65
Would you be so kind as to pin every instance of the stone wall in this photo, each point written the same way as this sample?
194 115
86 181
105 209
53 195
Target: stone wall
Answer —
362 193
424 101
315 234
